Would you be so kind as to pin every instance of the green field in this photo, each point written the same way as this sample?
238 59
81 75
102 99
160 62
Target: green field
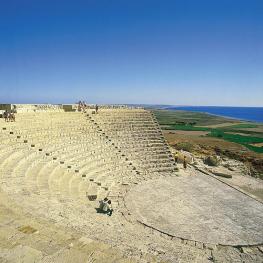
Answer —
242 126
240 139
166 117
193 121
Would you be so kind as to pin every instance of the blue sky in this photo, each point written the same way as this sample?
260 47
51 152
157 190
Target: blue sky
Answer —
205 52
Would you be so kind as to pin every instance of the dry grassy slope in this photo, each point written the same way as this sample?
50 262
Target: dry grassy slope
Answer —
202 145
205 146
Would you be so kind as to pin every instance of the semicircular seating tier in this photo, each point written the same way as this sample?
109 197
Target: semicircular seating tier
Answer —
69 159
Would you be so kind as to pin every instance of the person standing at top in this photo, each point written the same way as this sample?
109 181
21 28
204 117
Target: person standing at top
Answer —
12 117
5 114
79 106
96 108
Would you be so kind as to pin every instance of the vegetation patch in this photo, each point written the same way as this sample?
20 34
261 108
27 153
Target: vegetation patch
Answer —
240 139
185 146
212 161
242 126
187 128
191 121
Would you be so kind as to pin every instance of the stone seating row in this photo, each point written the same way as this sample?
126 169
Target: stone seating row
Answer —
123 134
34 172
92 151
77 146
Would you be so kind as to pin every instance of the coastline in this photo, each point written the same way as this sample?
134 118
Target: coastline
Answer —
202 109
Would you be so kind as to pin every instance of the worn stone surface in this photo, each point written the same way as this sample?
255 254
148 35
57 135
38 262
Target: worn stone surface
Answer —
198 208
45 213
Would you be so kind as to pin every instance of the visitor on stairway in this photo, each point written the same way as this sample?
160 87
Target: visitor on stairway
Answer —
102 203
96 108
107 209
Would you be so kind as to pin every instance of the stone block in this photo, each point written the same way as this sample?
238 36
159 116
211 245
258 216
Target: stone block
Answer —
225 175
68 107
7 107
92 197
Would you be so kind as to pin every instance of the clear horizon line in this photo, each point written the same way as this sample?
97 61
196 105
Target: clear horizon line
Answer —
147 104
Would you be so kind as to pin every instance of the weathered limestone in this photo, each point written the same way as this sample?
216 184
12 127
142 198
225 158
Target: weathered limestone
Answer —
198 208
55 165
49 151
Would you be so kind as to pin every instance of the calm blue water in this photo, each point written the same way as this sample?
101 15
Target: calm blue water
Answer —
241 113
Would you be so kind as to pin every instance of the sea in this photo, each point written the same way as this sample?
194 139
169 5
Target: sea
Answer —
254 114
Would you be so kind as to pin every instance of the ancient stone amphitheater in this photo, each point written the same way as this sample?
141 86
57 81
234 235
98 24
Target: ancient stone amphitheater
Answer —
54 167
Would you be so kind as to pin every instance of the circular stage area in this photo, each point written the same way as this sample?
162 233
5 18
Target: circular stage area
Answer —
198 208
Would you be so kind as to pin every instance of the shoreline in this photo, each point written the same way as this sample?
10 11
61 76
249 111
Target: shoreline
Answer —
213 114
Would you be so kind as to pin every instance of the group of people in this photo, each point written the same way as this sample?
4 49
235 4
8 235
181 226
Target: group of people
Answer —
82 106
176 157
9 116
105 207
